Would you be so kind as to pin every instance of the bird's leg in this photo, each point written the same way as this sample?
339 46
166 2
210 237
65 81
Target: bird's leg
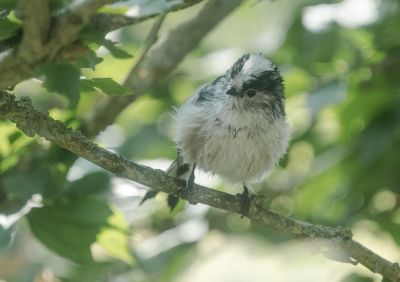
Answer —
245 205
190 186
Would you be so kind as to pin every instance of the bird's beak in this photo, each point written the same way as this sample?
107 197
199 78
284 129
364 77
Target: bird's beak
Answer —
233 92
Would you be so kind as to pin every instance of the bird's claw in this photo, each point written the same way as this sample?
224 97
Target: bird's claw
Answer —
189 188
244 203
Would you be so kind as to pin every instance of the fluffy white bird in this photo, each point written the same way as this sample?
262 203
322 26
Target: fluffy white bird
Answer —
234 127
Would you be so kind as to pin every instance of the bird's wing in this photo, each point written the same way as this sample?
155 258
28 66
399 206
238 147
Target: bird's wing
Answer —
195 96
178 168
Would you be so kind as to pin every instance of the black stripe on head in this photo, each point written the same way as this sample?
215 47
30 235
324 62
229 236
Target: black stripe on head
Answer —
269 81
237 67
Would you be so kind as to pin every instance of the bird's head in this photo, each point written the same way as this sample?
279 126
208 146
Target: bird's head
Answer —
254 83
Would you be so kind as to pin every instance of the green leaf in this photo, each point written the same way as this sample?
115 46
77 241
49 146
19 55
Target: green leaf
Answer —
8 4
62 78
89 61
94 36
115 51
106 85
69 229
115 243
23 186
114 240
89 184
8 29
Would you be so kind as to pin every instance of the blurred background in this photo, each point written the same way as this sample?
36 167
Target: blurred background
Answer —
341 65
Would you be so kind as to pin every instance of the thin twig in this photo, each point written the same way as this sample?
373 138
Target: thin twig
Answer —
151 38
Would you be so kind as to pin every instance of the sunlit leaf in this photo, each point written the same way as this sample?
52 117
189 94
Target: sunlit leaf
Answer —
115 240
92 35
108 9
106 85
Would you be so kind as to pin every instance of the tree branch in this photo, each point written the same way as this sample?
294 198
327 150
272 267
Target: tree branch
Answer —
35 17
161 61
32 122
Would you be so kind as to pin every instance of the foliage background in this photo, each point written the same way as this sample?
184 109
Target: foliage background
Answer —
341 65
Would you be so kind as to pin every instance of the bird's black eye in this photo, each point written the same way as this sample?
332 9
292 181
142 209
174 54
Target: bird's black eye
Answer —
251 92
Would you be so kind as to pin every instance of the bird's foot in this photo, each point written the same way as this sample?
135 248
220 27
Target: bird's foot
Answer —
245 202
190 187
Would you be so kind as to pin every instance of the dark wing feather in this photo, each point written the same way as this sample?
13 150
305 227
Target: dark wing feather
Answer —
149 195
176 169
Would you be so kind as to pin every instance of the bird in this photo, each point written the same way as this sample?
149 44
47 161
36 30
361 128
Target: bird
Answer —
234 126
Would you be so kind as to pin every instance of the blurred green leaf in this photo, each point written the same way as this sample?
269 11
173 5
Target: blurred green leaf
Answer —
386 34
6 236
62 78
115 242
23 186
8 29
106 85
90 184
8 4
69 229
94 36
89 61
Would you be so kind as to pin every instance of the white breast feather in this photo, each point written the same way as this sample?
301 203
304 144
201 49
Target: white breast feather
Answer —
243 147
